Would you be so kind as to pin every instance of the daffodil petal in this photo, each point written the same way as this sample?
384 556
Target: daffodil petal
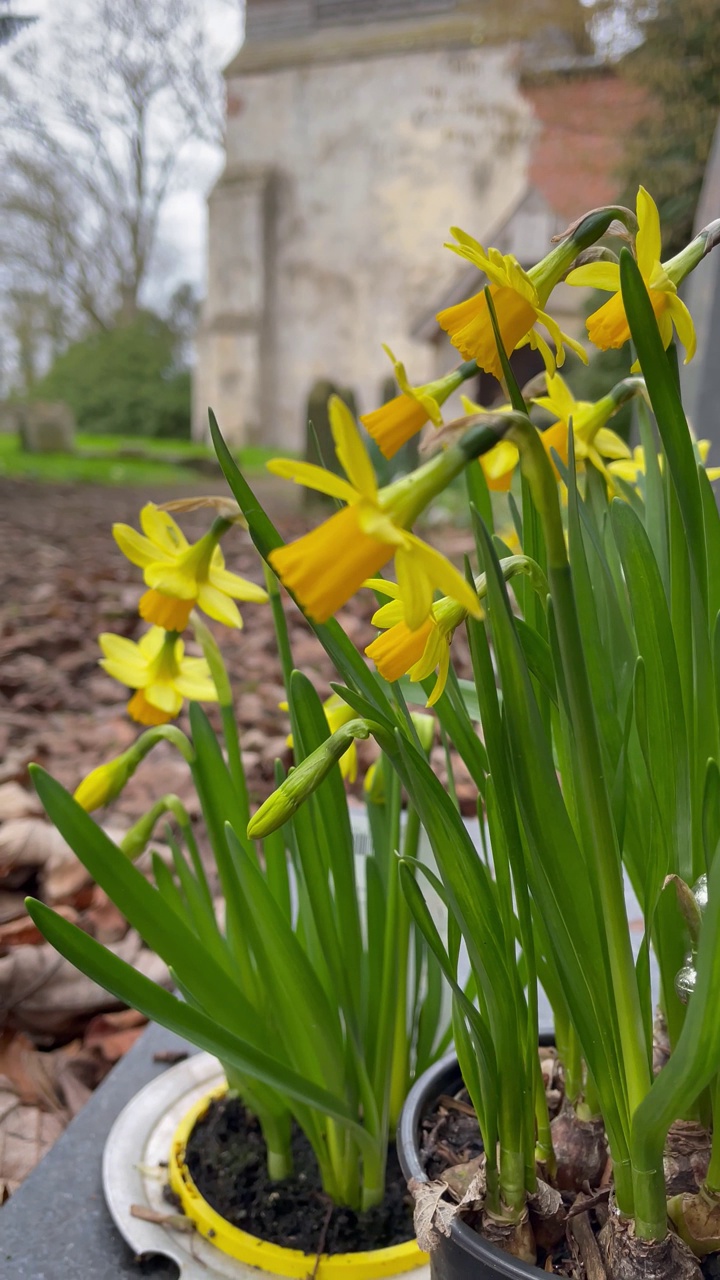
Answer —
152 642
648 242
172 580
195 687
313 477
137 549
416 589
351 452
384 586
683 322
559 399
610 445
120 649
388 614
596 275
625 469
446 577
125 672
216 604
161 529
165 696
231 584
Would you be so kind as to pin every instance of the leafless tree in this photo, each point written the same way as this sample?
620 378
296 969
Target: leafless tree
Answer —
93 140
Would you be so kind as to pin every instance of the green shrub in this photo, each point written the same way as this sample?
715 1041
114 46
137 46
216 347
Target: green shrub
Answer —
123 381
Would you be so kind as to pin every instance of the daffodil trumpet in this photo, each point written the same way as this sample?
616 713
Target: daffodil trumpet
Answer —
519 297
397 421
324 568
400 651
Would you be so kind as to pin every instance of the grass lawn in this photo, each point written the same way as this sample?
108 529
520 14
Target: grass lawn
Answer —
99 460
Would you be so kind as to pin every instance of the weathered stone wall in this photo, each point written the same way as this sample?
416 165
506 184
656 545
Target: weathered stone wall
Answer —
326 229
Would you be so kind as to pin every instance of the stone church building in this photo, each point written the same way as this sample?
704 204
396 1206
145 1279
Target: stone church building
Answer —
358 133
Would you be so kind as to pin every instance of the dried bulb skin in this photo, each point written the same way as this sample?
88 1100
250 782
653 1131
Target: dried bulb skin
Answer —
696 1219
628 1258
686 1158
515 1238
548 1216
580 1148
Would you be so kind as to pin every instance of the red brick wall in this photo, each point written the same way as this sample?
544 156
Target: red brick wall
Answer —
583 120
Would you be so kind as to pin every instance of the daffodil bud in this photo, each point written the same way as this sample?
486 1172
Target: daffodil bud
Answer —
689 906
374 784
303 780
135 841
105 783
425 729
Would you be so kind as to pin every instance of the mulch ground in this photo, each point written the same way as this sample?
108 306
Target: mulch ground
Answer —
62 582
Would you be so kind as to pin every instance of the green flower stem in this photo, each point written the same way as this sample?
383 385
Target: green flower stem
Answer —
400 1065
136 839
568 1049
544 1153
272 586
390 966
165 733
407 498
221 680
512 1182
275 1122
546 274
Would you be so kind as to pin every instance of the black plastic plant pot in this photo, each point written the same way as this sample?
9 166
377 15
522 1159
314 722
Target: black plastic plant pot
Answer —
463 1255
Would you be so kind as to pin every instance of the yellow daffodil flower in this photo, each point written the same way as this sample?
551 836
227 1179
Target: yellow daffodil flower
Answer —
181 575
519 299
326 567
629 469
337 713
400 651
608 327
394 423
156 667
593 440
499 463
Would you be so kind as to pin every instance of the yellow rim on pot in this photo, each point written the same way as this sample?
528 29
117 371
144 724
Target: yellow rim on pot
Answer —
370 1265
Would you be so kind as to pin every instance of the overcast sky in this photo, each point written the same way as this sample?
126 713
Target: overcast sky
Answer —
183 222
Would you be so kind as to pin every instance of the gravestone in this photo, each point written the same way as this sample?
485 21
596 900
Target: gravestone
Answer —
10 417
46 426
701 377
319 444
